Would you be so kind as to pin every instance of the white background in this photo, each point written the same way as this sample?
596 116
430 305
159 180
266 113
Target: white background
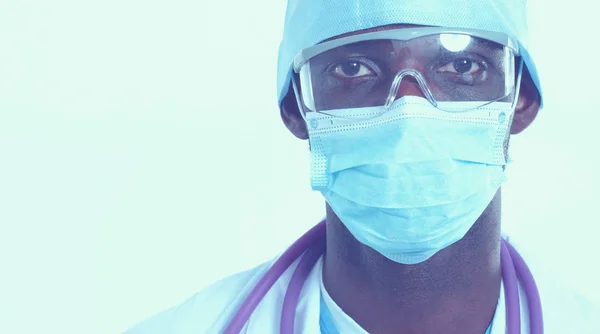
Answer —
142 155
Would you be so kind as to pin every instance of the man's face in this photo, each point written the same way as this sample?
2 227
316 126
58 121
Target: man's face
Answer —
330 91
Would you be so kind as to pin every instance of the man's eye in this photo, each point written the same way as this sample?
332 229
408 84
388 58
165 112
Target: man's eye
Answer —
352 69
461 66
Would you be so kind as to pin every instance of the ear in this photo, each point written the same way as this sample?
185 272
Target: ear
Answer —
528 104
290 114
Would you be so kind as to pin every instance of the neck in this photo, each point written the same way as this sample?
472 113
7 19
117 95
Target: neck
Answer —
455 291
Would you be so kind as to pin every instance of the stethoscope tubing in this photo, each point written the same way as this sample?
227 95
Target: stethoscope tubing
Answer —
312 245
272 275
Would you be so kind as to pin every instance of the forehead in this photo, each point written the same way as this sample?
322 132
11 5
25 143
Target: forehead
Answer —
416 48
403 38
381 28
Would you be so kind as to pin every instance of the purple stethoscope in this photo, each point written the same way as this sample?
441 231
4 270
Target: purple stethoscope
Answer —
312 245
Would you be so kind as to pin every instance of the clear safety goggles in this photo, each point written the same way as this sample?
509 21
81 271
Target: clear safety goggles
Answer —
445 65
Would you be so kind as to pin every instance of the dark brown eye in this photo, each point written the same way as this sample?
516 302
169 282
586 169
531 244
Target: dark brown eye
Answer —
352 69
461 66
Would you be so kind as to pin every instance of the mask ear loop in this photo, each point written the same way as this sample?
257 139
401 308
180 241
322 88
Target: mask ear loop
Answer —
513 109
518 86
298 99
300 106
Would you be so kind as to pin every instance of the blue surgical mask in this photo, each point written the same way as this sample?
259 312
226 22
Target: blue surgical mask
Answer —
412 181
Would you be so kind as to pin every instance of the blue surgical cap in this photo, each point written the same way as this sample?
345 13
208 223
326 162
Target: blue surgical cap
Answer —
309 22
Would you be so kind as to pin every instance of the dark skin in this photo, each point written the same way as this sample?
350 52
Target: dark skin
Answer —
455 292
